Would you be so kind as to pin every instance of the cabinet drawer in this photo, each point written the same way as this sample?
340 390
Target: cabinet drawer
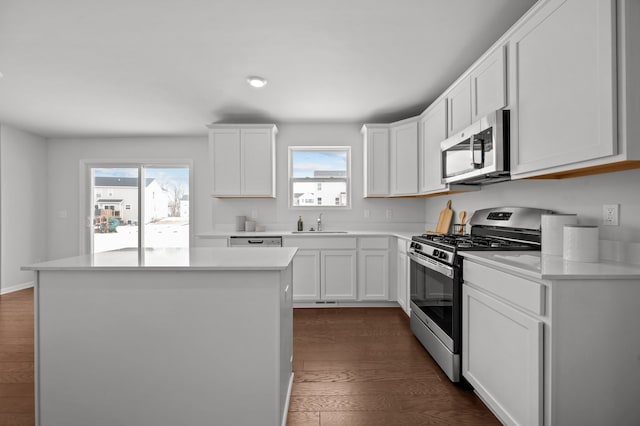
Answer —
373 243
526 294
320 243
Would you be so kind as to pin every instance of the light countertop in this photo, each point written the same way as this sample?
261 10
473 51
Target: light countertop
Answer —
549 267
265 234
192 259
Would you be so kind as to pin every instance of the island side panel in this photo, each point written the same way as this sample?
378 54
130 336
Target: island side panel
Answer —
158 347
286 342
595 352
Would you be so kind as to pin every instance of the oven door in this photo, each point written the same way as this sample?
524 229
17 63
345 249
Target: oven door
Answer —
436 298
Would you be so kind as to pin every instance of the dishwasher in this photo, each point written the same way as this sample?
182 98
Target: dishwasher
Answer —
255 241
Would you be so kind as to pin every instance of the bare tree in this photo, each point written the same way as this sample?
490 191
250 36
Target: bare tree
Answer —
176 192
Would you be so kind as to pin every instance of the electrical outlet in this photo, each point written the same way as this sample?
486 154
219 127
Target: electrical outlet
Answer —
389 213
254 214
367 213
611 214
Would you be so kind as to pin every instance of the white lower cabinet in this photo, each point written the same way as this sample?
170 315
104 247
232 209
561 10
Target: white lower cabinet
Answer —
349 269
324 268
557 352
373 275
338 275
502 357
306 275
324 275
402 270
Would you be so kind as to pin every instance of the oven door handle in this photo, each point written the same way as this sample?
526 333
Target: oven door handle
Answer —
432 264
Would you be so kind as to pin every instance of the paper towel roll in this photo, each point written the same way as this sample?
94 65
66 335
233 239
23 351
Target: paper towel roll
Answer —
580 243
552 231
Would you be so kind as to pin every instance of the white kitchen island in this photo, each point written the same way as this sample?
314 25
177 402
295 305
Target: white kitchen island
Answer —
199 336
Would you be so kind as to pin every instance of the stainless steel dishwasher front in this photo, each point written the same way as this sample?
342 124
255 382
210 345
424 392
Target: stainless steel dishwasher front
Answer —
235 241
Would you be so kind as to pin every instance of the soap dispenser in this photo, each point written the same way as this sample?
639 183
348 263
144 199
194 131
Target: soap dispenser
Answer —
300 225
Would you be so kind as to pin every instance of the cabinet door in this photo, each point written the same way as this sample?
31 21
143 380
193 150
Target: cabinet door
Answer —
306 275
404 159
489 85
434 131
459 102
502 357
376 158
257 162
373 275
224 149
563 86
338 275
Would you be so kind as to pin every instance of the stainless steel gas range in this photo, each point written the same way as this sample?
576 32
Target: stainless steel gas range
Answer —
436 276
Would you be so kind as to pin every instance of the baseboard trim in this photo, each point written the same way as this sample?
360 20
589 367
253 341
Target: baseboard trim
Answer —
16 287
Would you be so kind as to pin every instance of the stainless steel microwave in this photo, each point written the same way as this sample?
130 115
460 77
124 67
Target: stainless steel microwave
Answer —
479 153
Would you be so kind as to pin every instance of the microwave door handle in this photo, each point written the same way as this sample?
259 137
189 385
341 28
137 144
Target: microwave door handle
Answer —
474 164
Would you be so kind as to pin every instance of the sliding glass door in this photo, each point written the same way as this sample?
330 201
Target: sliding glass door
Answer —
139 206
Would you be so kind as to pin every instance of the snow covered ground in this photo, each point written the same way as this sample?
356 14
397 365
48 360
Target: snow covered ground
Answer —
170 232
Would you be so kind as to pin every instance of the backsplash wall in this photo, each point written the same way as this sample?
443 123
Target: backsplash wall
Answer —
583 195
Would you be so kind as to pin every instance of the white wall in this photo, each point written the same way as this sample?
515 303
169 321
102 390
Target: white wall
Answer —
583 195
65 155
64 164
24 211
275 213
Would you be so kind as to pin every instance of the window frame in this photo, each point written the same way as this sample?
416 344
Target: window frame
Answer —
86 216
319 148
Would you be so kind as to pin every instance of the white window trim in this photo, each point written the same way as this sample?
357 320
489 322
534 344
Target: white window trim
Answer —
291 179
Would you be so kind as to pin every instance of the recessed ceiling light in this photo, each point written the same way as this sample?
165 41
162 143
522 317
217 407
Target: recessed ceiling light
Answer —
256 81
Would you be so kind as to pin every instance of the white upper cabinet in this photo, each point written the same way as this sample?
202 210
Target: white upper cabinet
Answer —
376 160
459 105
563 84
433 131
404 157
224 150
489 84
242 159
482 89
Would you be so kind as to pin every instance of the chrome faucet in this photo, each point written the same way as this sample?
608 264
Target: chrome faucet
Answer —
319 220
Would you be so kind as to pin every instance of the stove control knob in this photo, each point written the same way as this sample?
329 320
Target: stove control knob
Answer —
436 253
443 255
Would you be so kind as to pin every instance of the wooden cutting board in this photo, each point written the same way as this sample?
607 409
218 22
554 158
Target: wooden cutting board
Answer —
444 221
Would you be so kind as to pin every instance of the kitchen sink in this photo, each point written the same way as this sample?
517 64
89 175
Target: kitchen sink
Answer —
319 232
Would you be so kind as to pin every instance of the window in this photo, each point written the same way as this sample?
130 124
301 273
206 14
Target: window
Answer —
319 176
147 207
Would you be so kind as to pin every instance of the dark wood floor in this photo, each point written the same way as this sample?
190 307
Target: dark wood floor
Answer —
16 359
363 366
353 366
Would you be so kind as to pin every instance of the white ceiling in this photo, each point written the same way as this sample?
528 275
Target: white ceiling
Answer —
141 67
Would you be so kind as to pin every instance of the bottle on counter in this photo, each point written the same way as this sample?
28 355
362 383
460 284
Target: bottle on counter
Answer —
300 225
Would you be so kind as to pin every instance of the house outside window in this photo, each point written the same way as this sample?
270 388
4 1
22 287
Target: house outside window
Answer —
319 176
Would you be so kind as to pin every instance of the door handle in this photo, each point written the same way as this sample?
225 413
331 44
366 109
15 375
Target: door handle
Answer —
475 164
